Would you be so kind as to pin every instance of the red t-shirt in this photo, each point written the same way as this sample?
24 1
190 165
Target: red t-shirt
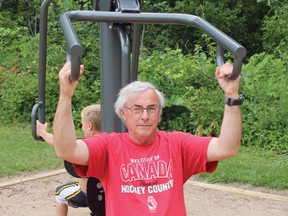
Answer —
145 179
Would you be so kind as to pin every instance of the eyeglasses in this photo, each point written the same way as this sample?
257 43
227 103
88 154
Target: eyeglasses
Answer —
138 110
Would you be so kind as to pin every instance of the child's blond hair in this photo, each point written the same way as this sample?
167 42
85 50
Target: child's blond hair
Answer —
92 114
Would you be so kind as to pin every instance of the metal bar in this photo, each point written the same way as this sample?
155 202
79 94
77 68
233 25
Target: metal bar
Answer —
135 50
221 38
110 63
73 47
39 108
125 55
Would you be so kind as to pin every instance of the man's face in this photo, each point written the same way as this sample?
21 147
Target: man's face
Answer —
142 114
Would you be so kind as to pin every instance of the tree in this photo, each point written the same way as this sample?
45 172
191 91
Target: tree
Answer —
235 18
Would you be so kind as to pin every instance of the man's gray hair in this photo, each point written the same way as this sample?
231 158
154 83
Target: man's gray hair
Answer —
135 87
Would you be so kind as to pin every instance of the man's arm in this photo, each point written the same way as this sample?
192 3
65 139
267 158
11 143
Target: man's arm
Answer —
65 143
228 143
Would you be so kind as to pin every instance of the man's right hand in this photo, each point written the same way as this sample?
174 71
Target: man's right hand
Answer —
68 86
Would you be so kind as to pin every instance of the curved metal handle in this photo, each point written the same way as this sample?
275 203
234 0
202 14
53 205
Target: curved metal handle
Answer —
75 64
75 68
238 60
73 47
222 39
34 119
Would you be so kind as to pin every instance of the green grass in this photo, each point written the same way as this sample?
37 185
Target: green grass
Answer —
256 167
253 166
19 152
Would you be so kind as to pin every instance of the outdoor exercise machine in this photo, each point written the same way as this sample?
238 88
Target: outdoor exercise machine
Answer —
118 19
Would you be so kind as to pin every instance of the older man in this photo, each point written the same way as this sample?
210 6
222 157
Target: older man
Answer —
143 171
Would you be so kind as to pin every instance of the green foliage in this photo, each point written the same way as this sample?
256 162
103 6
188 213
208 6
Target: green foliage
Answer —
19 48
265 108
179 64
16 98
195 102
275 28
191 90
17 102
241 22
19 63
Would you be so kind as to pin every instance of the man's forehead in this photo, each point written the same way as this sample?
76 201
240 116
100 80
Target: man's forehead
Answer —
148 96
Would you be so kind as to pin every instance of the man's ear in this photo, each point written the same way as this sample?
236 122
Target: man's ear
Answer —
123 115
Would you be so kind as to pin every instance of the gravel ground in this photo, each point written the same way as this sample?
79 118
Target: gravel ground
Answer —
36 197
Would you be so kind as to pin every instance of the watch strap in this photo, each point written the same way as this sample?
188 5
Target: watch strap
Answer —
232 101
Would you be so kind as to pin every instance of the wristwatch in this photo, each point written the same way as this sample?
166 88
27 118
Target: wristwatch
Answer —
232 101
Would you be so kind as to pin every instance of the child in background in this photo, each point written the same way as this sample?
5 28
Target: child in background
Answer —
74 193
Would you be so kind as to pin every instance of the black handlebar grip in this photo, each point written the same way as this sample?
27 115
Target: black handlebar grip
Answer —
34 119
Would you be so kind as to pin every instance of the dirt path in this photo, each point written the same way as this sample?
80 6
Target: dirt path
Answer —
36 197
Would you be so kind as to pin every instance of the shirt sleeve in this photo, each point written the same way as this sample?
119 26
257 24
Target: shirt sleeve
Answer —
97 146
194 151
81 170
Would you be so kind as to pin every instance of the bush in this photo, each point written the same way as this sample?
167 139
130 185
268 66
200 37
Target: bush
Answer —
194 99
18 79
17 95
19 71
265 108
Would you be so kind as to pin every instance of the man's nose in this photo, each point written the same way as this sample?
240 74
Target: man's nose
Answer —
145 114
